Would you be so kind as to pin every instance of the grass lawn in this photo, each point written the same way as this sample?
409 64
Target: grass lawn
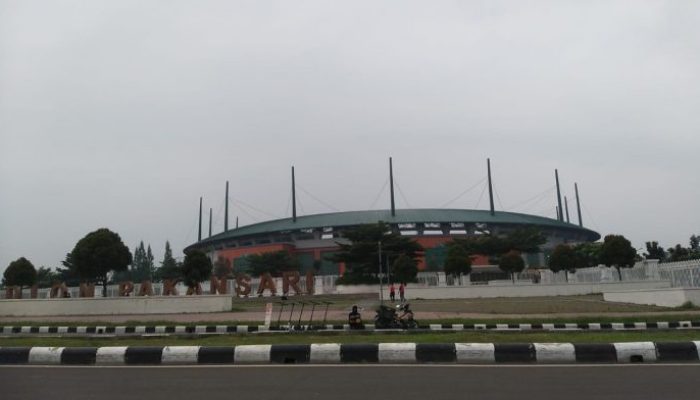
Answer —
300 338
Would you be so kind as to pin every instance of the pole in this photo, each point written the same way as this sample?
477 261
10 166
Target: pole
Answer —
199 236
294 199
488 166
578 206
566 207
236 222
210 214
391 186
560 210
226 210
381 294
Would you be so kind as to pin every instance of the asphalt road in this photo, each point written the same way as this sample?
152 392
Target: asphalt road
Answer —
618 382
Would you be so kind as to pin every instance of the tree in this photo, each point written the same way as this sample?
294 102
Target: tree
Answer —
196 268
655 252
98 254
222 267
588 254
678 253
274 263
457 262
511 262
67 273
524 240
169 268
404 269
45 277
617 252
695 243
149 264
20 272
564 258
361 254
141 267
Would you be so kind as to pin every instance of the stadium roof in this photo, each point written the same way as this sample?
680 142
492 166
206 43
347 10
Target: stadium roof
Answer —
420 215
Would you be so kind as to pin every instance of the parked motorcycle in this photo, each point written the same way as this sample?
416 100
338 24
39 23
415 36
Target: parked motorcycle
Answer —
388 318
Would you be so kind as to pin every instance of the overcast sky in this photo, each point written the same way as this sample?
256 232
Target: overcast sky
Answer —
120 114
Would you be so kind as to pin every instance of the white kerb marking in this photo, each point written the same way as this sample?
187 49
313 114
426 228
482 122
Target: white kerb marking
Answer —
475 353
397 352
45 355
252 354
25 329
435 327
120 330
662 325
326 353
180 329
160 329
458 327
140 329
180 354
111 355
594 326
555 352
242 329
618 326
43 329
62 329
625 351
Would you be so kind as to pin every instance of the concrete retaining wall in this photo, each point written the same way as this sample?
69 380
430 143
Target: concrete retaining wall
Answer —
672 297
523 290
114 305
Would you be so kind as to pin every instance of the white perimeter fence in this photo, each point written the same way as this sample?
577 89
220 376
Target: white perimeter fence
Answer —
679 274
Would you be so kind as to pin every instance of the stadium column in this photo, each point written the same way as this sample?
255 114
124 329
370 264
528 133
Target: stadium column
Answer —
488 166
578 206
226 209
199 235
391 187
560 210
294 198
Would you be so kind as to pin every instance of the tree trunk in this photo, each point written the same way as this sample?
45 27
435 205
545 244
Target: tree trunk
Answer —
619 273
104 288
512 277
566 275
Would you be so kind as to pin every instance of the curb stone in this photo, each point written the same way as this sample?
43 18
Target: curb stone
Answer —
382 353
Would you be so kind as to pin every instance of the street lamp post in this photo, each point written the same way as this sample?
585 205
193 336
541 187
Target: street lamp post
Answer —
379 252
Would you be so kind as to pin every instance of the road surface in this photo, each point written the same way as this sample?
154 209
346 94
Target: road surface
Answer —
431 382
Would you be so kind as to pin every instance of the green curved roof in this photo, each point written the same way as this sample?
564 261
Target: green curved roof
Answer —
416 215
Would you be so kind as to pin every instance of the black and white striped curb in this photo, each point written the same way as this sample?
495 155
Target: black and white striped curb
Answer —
234 329
382 353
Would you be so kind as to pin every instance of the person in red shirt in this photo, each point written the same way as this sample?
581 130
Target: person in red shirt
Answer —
392 292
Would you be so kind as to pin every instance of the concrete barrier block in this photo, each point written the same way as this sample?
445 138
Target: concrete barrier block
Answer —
475 353
390 353
180 354
110 355
635 352
555 352
326 353
45 355
252 354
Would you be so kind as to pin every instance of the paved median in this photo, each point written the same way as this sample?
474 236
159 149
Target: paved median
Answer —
238 329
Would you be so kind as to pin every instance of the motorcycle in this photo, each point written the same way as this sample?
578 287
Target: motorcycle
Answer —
388 318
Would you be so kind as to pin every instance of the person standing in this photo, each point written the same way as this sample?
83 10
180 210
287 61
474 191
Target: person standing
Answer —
392 292
402 292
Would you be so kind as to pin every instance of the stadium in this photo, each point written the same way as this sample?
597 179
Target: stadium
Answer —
314 238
